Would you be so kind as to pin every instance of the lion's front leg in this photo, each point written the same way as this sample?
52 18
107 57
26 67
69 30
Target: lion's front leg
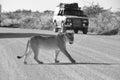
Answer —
68 55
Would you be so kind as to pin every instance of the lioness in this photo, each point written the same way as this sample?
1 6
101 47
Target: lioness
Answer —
55 42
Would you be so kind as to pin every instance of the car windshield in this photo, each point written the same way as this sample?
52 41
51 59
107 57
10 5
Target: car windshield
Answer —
73 12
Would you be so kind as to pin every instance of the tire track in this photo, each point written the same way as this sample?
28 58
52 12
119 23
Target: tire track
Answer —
9 64
98 53
61 72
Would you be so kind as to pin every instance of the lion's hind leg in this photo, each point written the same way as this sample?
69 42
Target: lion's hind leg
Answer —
36 53
36 59
56 55
28 53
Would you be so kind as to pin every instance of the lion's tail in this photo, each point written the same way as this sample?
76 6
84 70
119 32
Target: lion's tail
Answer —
28 43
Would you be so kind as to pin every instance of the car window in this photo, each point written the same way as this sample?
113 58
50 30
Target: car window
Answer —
60 12
73 12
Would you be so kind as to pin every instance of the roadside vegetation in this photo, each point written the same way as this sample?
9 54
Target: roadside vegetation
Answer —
101 21
28 19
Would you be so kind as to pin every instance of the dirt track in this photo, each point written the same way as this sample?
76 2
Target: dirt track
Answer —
98 58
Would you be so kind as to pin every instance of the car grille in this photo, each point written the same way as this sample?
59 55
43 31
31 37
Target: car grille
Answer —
76 22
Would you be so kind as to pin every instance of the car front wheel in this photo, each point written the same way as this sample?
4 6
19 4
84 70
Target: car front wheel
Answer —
76 31
85 30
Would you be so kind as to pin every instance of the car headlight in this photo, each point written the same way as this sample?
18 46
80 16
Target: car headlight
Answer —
85 21
68 20
84 25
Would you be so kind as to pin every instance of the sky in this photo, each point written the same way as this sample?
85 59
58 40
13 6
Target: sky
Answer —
42 5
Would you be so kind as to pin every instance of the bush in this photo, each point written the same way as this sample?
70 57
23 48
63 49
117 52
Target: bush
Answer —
104 22
28 19
93 10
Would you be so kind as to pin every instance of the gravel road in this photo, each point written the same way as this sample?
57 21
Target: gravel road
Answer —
98 58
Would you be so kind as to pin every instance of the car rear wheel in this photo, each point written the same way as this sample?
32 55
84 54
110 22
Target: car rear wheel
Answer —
63 29
55 27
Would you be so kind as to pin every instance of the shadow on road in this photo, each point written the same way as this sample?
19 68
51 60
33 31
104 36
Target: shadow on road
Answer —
20 35
85 63
92 34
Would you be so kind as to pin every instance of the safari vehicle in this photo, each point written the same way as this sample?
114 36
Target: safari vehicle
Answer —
70 17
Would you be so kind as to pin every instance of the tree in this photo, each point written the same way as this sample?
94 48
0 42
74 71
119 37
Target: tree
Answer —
93 10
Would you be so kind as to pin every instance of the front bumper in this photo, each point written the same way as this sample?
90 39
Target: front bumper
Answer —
76 23
79 27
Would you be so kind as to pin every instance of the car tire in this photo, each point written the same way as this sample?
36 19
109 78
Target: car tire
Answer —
55 27
76 31
85 30
63 29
